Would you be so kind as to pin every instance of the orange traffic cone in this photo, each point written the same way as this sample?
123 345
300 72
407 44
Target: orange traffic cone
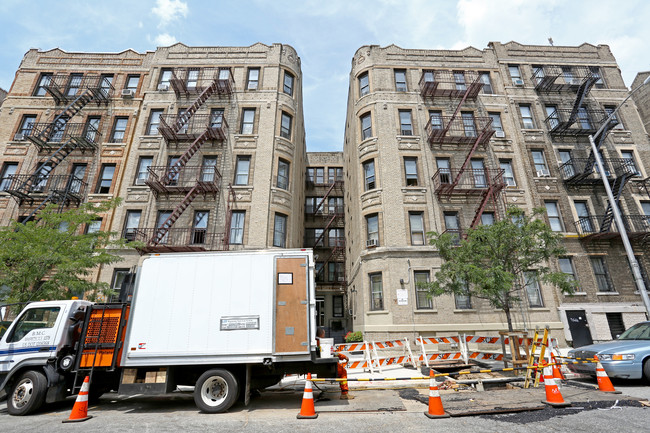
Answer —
80 409
557 373
307 410
553 395
604 384
435 403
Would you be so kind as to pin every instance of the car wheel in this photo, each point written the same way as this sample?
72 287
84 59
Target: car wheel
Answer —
27 394
216 391
646 370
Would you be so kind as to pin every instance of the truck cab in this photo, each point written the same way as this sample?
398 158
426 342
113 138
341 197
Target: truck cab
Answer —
33 351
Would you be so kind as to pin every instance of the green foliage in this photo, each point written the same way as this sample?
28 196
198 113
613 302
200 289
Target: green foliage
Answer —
51 258
353 337
492 261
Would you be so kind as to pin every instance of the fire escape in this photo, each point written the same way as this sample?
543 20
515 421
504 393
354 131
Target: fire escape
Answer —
180 178
581 121
331 216
58 139
460 89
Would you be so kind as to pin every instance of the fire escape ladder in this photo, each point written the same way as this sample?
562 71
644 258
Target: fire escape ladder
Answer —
489 192
453 117
617 190
325 229
583 91
162 231
232 199
185 157
186 115
322 202
468 158
62 118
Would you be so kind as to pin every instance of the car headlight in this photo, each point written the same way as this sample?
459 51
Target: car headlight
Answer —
617 357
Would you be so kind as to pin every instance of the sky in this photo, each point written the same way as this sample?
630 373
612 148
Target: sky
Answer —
326 34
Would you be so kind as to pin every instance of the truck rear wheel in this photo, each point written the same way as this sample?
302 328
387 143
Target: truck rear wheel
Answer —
27 394
216 391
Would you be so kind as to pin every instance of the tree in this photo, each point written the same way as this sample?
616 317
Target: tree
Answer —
495 261
50 257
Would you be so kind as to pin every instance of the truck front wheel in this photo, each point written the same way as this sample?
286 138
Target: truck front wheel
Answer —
27 394
215 391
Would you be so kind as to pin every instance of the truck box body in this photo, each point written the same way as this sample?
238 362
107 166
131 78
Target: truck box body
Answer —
232 307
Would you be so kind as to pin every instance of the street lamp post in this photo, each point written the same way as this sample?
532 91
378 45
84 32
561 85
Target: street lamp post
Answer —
636 271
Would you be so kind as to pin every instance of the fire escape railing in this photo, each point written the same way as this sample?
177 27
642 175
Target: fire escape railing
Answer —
84 135
553 78
67 87
593 227
569 123
66 186
194 80
207 178
577 171
447 181
451 84
459 130
195 126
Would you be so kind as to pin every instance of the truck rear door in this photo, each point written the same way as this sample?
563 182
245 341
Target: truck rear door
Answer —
291 305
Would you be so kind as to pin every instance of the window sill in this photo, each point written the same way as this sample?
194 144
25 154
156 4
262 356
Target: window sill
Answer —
378 312
577 294
465 310
425 311
607 293
538 309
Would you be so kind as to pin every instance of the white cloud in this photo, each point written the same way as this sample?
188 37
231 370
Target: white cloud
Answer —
168 11
164 40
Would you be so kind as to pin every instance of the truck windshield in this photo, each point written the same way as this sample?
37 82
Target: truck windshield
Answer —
640 331
35 318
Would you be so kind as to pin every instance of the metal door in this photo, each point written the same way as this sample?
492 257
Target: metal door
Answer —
579 328
291 305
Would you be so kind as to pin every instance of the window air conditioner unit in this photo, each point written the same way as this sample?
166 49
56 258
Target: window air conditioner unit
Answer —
19 136
371 243
543 173
163 87
128 93
499 134
518 82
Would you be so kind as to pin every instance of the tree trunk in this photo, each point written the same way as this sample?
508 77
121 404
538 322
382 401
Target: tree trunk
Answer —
507 311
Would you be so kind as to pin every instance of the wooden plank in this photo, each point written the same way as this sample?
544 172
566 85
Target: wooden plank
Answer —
291 324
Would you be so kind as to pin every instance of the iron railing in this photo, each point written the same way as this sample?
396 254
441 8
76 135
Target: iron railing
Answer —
583 122
585 170
179 239
635 225
453 84
208 177
194 80
470 181
216 126
458 130
31 186
66 87
553 78
44 136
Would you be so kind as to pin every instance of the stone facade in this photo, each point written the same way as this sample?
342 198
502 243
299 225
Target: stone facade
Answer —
642 98
394 172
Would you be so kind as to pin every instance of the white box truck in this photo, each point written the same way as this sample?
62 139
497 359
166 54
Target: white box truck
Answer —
223 322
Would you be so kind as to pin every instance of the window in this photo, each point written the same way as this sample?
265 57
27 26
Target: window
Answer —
283 174
334 174
496 125
366 126
132 82
192 78
319 271
411 171
105 84
459 80
435 118
74 83
91 129
515 75
43 82
165 77
253 79
337 305
584 218
285 127
452 226
200 226
121 287
583 118
336 238
609 110
372 227
406 124
540 163
131 224
644 275
487 218
209 169
335 272
242 167
422 299
154 121
595 72
8 171
310 204
143 165
237 227
630 162
105 179
26 126
616 324
569 78
77 176
34 318
444 170
463 301
553 213
247 120
320 311
533 291
468 124
478 173
400 80
526 116
94 226
364 84
487 84
42 177
288 83
508 174
645 208
416 221
314 237
376 293
566 266
335 205
369 175
119 128
316 175
280 230
603 281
